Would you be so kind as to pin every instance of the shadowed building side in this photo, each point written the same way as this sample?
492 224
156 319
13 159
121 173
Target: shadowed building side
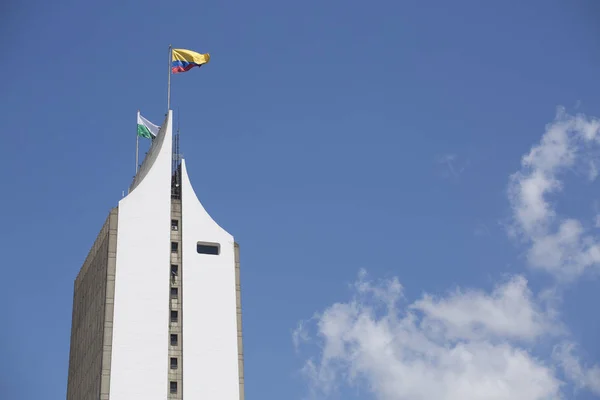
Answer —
91 331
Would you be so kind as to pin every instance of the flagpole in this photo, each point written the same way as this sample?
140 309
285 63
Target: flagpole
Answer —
137 153
169 84
137 149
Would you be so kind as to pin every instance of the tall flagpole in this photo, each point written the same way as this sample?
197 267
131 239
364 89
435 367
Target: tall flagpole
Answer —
169 84
137 149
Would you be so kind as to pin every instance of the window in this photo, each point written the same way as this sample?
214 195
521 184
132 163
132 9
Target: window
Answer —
174 225
208 248
174 247
174 292
174 315
174 340
174 272
172 386
173 363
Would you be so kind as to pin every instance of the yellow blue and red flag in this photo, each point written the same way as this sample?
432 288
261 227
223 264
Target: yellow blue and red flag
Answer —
183 60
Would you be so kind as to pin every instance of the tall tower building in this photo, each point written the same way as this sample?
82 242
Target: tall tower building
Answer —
156 305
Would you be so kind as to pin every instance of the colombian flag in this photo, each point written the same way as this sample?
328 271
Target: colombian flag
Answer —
184 60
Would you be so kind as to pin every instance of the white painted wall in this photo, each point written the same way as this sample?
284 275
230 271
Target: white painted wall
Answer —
141 316
210 360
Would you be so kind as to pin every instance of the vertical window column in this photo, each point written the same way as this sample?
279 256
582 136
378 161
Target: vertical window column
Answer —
175 307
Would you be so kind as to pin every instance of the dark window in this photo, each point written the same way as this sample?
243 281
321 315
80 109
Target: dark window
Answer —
208 248
174 247
174 272
174 316
173 363
174 225
172 387
174 292
174 340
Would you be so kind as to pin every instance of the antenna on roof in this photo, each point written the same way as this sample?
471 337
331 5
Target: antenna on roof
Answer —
176 166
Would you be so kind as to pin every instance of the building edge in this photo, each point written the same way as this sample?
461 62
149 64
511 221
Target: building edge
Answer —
238 296
109 306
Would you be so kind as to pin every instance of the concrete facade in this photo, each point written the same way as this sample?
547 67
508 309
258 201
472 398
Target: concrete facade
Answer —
157 304
91 332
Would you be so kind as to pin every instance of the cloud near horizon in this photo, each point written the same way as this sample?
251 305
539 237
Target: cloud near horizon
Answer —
470 344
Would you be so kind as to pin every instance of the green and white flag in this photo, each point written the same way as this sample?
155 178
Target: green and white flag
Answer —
145 128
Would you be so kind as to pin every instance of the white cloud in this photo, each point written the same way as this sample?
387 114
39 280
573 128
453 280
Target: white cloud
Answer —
449 348
507 312
557 244
472 344
583 377
566 252
299 335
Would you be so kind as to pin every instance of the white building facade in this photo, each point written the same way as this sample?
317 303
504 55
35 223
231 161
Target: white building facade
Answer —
157 309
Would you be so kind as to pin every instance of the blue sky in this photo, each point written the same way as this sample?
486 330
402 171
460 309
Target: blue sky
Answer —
417 141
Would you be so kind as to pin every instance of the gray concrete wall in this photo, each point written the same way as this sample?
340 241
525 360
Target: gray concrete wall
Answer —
91 325
238 295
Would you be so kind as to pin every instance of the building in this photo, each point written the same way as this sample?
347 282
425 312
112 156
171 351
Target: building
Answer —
156 305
